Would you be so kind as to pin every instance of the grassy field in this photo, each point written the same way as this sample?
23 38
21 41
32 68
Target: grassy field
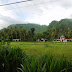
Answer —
40 48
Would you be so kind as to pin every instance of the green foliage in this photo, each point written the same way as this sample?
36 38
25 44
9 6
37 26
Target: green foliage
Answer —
27 27
10 58
46 63
32 32
58 28
52 24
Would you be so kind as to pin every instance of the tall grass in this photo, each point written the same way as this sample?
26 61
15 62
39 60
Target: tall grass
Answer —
46 63
13 59
10 58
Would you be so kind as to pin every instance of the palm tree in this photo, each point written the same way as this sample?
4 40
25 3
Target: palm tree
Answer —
16 31
5 33
21 32
24 33
11 31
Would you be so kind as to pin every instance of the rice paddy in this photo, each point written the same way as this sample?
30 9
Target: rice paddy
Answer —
37 49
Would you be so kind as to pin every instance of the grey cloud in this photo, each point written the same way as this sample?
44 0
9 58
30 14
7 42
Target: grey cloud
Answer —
6 21
71 15
63 3
32 10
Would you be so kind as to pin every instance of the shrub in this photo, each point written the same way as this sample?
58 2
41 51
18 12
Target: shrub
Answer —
10 58
46 63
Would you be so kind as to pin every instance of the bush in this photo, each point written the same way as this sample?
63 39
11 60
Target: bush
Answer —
10 58
46 63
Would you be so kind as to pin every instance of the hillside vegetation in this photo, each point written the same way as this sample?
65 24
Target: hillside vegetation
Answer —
63 24
58 28
32 32
27 27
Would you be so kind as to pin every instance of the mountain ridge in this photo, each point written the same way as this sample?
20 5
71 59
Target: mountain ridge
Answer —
62 25
28 26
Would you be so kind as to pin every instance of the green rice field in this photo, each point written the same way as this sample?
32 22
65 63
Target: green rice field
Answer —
37 49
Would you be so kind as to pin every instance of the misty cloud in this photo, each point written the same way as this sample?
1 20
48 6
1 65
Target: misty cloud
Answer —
6 21
63 3
36 11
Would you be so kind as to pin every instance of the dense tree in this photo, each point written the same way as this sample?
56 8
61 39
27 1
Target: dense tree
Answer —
20 32
16 31
32 30
24 33
38 36
11 31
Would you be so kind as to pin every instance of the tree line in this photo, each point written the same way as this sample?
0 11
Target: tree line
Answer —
14 33
54 31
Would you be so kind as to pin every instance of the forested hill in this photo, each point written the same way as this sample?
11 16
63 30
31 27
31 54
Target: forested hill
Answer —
58 28
62 24
27 27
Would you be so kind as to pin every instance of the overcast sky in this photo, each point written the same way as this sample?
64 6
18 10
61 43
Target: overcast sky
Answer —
35 11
